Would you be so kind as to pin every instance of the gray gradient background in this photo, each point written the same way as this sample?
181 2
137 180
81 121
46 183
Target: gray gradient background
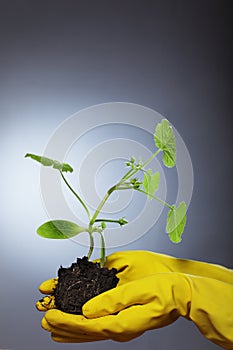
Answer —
58 57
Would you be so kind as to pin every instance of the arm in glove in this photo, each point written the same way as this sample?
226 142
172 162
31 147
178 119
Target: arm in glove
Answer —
173 287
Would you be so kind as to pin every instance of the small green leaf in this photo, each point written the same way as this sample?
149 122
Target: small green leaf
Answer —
151 182
176 220
59 229
165 140
64 167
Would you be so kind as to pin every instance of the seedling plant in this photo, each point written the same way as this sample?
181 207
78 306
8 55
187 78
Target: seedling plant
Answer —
176 217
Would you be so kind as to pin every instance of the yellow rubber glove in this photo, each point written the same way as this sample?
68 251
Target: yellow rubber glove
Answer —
132 265
172 287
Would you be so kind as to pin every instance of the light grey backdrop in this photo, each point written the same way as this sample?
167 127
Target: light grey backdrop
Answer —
58 57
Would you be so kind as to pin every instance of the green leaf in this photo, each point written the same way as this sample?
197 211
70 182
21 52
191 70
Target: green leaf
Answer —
151 182
165 140
176 220
64 167
59 229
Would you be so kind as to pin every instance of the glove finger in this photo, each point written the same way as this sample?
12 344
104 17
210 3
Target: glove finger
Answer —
78 336
74 335
117 299
46 303
119 327
48 286
62 339
55 319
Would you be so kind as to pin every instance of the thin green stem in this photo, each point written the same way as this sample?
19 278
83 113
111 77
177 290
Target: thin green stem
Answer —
158 199
151 158
91 247
93 219
76 195
102 250
127 175
125 188
108 220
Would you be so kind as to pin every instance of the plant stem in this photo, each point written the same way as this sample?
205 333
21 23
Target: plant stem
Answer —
127 175
108 220
127 187
102 250
151 158
158 199
76 195
109 192
91 245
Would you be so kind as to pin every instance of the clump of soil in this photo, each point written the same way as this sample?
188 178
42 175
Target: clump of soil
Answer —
80 282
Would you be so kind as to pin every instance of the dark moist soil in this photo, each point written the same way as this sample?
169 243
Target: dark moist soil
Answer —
80 282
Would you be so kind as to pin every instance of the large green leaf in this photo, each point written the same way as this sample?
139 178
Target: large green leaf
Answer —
64 167
165 140
59 229
176 220
151 182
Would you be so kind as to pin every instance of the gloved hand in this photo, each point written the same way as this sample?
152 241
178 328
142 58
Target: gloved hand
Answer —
132 265
154 290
